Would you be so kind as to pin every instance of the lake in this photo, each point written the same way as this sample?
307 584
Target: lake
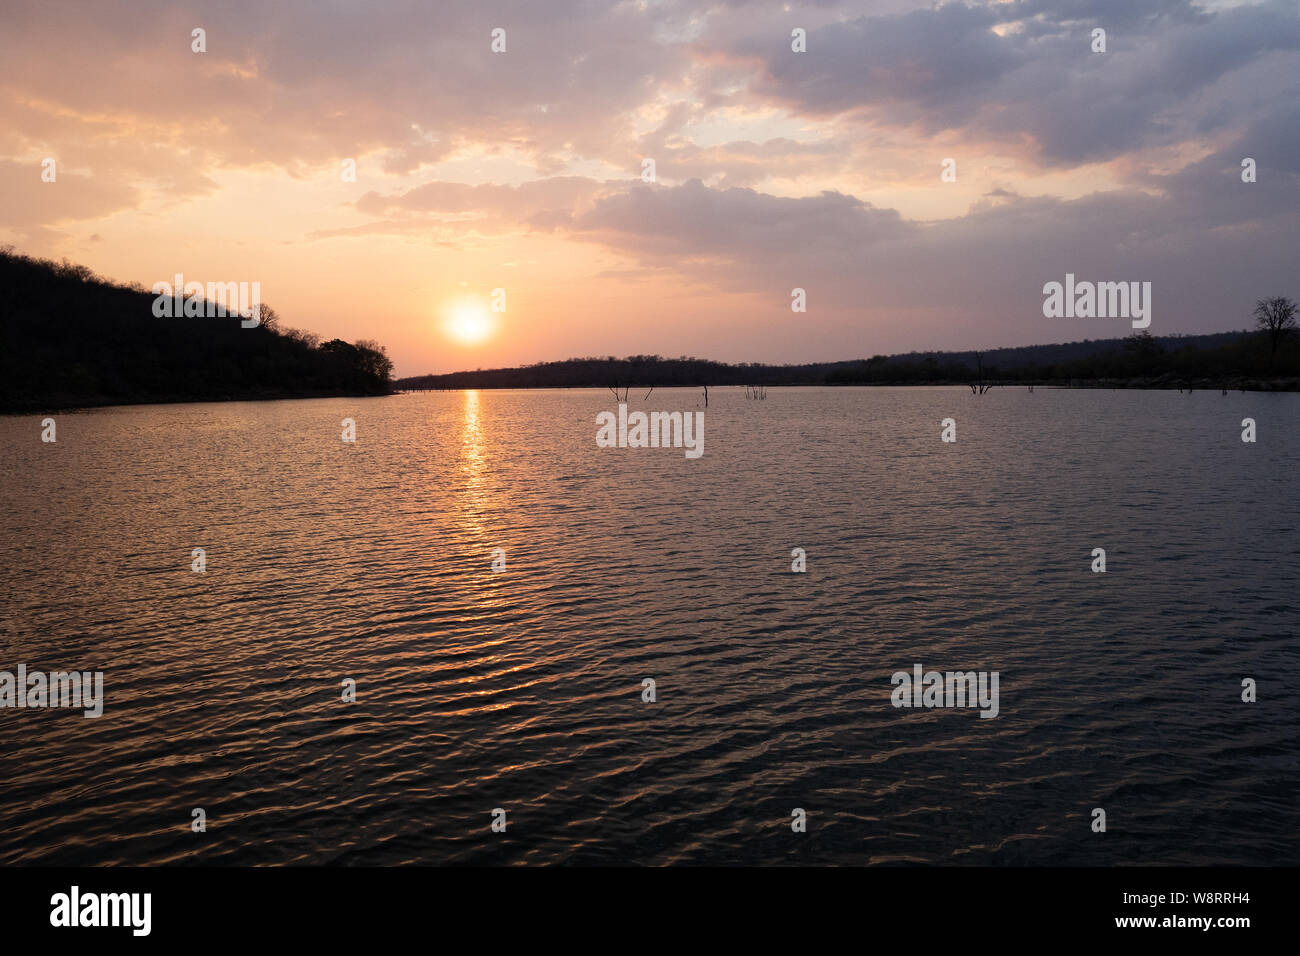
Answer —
521 689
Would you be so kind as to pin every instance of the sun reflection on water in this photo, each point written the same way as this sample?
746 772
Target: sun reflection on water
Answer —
474 466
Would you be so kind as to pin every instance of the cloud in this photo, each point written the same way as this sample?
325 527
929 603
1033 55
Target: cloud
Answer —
300 83
1209 243
775 169
26 201
949 70
693 221
518 203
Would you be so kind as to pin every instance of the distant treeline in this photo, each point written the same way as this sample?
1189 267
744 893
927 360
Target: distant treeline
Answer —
1229 359
71 338
1225 359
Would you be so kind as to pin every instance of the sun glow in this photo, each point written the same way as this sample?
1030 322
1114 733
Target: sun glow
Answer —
468 323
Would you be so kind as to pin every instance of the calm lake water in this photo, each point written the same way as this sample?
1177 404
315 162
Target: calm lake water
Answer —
522 689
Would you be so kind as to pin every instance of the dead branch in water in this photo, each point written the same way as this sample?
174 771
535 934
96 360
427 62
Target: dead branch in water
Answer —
979 386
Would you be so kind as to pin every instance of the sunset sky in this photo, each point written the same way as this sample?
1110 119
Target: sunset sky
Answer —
522 170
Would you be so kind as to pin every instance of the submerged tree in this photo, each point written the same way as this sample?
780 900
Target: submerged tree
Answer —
979 386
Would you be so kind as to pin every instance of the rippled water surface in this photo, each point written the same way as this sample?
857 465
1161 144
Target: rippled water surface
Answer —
523 689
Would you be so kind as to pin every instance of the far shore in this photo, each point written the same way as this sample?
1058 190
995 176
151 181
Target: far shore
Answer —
1237 361
53 404
1196 385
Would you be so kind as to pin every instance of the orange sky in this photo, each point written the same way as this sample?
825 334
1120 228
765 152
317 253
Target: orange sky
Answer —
522 170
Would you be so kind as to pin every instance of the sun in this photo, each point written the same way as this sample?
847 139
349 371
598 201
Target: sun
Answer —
468 322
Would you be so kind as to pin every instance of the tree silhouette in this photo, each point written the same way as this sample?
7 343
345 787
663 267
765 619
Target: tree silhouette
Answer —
1276 316
69 337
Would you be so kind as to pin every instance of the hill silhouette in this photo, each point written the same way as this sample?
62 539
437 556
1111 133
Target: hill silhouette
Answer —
1221 359
71 338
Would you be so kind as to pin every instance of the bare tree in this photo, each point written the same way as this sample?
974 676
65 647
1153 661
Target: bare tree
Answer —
1276 316
267 317
979 386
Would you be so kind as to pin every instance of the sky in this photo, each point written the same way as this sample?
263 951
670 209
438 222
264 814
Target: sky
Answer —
524 170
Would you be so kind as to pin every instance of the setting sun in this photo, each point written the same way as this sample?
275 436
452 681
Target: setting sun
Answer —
468 323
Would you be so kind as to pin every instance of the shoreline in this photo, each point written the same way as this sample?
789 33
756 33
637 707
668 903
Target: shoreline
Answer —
71 403
1285 384
64 403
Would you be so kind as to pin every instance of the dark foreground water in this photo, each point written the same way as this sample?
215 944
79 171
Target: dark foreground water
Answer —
522 689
